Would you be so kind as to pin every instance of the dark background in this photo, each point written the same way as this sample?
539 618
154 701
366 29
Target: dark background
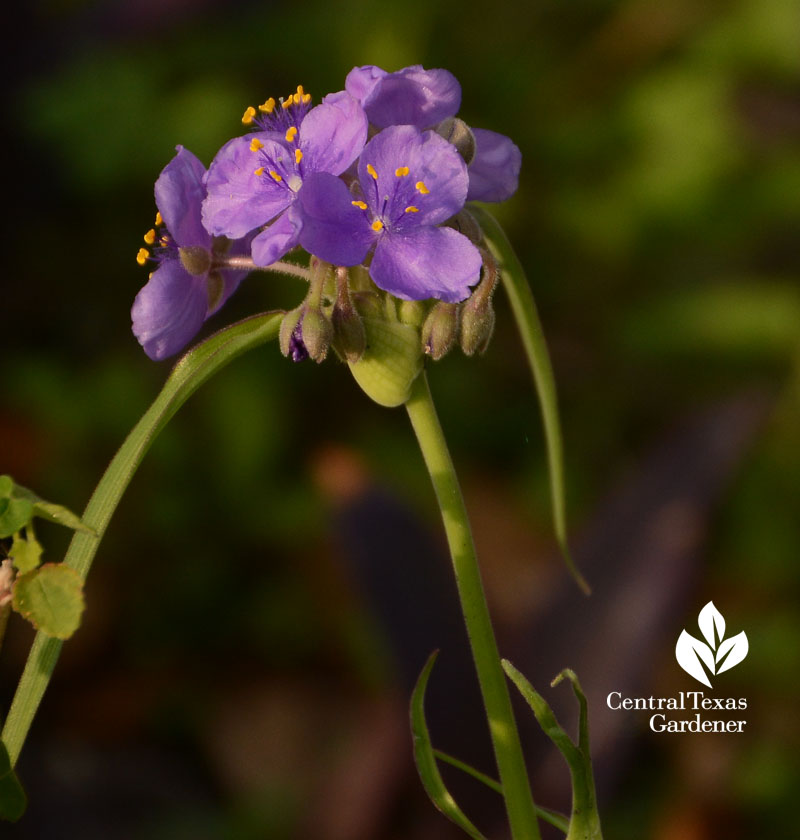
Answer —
276 575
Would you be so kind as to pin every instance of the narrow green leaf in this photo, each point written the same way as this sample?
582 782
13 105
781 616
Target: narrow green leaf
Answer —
25 553
15 514
584 823
426 760
12 797
191 371
548 815
532 335
51 598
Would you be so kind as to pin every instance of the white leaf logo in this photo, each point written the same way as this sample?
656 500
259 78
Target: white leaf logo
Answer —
717 653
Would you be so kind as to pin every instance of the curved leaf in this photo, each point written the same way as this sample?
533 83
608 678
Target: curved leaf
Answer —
426 760
584 823
532 335
191 371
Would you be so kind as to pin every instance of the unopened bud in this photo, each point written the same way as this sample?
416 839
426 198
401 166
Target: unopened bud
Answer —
464 222
477 326
195 259
412 312
349 338
215 287
458 133
440 330
317 332
368 304
290 334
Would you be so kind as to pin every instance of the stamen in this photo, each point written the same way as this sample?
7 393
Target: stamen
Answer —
277 178
371 170
420 185
286 103
268 107
248 115
150 237
306 98
377 225
142 256
403 170
360 204
298 155
159 220
256 144
300 91
259 171
411 209
291 133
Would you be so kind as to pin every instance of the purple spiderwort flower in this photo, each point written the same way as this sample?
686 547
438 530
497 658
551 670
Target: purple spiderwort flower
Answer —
424 98
411 96
410 182
255 180
185 289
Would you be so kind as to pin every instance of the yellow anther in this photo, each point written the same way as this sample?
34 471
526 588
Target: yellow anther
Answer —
420 185
142 256
248 115
377 225
291 133
287 103
300 91
371 170
403 170
360 204
306 98
411 209
159 220
256 144
259 171
298 155
267 107
275 175
150 237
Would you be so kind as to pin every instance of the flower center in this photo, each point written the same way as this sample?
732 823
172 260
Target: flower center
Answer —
163 245
390 208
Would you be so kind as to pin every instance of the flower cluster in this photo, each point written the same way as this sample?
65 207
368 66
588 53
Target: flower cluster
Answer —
375 175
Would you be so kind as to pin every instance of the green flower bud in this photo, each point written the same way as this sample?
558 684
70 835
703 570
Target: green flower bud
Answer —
368 304
349 338
195 259
317 332
412 312
215 287
458 133
290 321
440 330
477 326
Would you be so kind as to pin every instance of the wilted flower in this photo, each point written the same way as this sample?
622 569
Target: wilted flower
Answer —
409 182
188 286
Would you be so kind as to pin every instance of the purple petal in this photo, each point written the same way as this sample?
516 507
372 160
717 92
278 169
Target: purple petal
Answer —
239 200
333 134
413 96
428 262
494 171
361 81
431 161
333 229
179 193
169 310
278 239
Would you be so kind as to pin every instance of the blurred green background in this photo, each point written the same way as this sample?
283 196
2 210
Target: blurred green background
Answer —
657 216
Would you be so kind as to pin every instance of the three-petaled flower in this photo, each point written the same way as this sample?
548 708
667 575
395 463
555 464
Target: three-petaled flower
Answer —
254 180
187 287
409 182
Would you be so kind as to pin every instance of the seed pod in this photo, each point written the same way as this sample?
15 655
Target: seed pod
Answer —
440 330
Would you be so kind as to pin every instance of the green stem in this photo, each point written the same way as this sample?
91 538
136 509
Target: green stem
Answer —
502 726
187 376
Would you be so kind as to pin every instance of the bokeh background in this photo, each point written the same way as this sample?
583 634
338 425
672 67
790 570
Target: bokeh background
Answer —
276 575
